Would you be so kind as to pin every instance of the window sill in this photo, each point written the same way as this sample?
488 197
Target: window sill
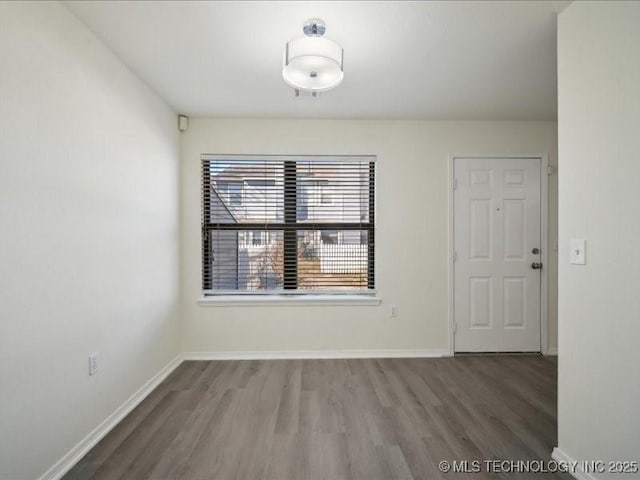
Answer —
288 300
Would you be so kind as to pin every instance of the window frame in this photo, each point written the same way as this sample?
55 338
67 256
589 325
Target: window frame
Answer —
290 226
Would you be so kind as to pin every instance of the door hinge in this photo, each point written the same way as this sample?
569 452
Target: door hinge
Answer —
455 327
455 256
549 170
455 183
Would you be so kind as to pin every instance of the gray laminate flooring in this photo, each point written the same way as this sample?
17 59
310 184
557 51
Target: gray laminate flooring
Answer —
335 419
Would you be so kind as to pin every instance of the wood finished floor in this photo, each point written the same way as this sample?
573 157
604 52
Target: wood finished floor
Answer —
334 419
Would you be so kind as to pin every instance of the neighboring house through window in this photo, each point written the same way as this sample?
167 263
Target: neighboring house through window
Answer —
288 224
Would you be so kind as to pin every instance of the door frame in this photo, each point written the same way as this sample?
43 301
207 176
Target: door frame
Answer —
544 243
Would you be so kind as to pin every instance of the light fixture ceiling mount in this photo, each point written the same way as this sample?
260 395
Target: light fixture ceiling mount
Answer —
314 28
313 63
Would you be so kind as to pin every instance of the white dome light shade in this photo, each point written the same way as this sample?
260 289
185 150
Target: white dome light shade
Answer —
313 64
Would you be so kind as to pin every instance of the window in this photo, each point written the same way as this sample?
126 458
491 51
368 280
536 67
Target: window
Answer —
325 196
302 201
231 191
300 242
261 183
235 194
330 237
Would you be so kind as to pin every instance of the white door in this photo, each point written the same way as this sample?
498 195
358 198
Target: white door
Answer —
497 254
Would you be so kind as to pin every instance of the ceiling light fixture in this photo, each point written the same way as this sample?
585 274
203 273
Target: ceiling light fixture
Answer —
313 63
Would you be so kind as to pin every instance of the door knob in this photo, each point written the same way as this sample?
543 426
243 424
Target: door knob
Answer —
536 266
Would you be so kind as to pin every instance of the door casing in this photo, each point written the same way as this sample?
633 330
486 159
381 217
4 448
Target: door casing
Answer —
544 244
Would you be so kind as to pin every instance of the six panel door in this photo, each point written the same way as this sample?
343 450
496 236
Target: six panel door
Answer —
497 243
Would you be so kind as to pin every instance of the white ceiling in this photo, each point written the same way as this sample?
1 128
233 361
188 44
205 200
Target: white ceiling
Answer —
434 60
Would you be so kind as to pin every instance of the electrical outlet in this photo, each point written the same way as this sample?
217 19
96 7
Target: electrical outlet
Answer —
93 363
394 311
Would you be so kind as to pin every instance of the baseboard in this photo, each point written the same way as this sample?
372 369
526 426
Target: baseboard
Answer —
80 450
559 456
316 354
67 462
552 352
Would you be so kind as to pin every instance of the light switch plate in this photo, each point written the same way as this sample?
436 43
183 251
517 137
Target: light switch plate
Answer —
577 252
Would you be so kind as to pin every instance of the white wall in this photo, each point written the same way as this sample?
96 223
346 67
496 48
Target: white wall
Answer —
88 235
599 306
412 182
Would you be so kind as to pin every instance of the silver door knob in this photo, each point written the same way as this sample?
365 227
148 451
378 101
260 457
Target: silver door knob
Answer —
536 266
